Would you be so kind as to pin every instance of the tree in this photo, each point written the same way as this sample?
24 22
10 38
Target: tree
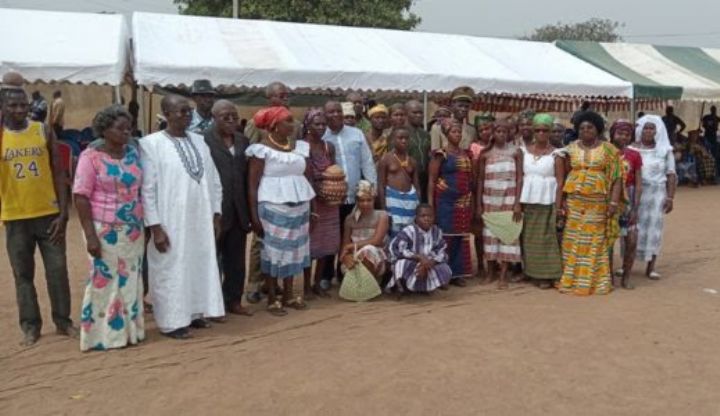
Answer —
390 14
595 30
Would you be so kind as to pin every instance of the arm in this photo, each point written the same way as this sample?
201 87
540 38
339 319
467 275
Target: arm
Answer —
638 194
215 192
416 176
255 171
150 197
58 225
517 207
560 179
682 125
433 174
438 254
313 202
671 183
382 180
366 163
480 186
83 189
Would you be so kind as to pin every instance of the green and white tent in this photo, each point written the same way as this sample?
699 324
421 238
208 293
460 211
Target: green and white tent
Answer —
660 72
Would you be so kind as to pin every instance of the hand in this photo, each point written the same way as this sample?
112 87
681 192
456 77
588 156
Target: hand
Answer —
633 217
57 229
348 261
93 246
217 226
612 209
668 205
160 239
257 228
517 213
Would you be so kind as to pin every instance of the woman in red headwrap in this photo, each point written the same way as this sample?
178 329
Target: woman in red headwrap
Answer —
621 134
280 204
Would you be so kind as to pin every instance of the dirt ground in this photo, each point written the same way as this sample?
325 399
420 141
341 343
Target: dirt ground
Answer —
652 351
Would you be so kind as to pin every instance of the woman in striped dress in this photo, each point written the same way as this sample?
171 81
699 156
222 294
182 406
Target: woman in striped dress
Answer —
543 175
591 195
498 191
280 204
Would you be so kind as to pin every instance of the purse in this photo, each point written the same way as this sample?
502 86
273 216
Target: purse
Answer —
359 285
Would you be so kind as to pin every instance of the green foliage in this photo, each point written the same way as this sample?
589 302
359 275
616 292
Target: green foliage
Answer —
594 30
390 14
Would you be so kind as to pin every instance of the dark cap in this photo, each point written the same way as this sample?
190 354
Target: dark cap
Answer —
463 93
202 86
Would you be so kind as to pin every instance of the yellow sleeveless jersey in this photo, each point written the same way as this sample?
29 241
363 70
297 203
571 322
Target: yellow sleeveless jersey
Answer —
26 179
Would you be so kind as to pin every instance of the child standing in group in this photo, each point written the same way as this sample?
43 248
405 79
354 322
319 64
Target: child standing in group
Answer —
398 182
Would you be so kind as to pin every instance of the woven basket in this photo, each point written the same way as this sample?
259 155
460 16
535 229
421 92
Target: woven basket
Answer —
333 188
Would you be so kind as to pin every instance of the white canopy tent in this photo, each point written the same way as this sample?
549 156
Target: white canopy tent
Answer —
49 47
171 50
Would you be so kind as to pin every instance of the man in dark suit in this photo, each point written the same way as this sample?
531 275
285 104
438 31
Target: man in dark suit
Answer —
227 148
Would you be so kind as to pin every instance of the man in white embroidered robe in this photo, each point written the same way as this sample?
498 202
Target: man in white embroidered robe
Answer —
182 198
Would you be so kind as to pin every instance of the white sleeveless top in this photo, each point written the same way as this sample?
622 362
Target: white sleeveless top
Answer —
283 179
539 183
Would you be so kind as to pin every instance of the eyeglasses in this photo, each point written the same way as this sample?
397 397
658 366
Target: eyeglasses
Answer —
229 117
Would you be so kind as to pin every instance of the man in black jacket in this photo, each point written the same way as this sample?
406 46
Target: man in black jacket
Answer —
227 148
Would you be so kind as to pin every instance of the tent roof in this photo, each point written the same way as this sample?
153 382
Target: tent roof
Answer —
669 72
171 50
64 47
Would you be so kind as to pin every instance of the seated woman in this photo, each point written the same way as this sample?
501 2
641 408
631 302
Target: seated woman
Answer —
686 166
702 156
417 254
365 233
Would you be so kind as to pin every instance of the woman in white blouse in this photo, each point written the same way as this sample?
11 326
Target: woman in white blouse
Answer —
658 182
543 174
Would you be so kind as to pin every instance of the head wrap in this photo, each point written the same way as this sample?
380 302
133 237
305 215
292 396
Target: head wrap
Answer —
365 189
267 118
348 109
483 119
543 119
309 116
662 141
621 125
592 117
380 108
447 124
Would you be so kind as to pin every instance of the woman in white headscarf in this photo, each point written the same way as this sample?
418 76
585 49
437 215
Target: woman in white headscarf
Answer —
658 183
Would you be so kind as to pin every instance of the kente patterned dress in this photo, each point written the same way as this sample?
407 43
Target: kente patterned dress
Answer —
540 247
325 235
587 237
499 193
412 241
112 313
453 208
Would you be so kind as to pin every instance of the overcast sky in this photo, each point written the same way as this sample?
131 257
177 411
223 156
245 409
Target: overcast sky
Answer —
667 22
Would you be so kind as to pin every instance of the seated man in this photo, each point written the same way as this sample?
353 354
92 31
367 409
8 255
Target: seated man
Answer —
417 254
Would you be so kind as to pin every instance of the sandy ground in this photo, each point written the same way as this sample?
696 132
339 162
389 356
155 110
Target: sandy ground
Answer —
652 351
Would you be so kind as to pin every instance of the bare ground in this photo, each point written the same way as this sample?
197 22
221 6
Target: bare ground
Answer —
652 351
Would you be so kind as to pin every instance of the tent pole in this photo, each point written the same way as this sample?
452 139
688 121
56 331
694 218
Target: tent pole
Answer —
632 110
425 110
140 98
150 117
118 97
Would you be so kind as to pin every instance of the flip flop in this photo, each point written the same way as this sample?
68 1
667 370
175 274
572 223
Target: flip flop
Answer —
654 276
298 304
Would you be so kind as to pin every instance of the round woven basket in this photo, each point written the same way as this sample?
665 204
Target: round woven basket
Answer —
333 188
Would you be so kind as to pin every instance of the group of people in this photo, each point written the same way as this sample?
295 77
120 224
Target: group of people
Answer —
362 192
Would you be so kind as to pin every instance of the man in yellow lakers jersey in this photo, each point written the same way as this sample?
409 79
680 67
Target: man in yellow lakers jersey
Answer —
33 207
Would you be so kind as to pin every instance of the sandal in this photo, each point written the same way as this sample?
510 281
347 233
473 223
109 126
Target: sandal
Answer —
276 308
200 323
654 276
298 304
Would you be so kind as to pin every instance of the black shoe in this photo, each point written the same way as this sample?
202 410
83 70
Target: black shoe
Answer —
179 334
200 324
30 338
